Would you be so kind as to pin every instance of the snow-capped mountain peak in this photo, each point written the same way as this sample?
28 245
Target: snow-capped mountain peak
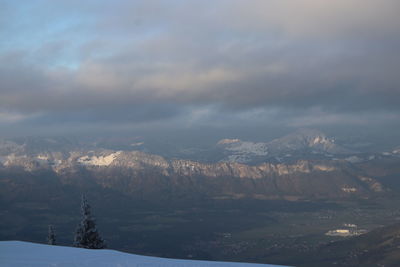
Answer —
302 141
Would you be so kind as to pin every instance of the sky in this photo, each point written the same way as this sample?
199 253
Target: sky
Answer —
234 67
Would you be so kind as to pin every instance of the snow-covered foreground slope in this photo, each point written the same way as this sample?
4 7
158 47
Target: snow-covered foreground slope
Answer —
25 254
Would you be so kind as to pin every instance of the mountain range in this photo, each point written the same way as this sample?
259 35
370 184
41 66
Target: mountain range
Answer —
302 165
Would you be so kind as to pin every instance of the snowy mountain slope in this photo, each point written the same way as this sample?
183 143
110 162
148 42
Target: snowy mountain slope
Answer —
99 160
242 151
25 254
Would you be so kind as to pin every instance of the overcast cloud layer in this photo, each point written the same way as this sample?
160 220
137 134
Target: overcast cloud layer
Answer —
271 63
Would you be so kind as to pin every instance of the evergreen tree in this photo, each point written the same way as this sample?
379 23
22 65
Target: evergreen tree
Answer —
51 237
86 235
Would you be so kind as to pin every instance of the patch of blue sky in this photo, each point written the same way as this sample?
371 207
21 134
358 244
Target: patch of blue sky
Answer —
31 30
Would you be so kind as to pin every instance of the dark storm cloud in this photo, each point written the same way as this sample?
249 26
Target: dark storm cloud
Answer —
277 62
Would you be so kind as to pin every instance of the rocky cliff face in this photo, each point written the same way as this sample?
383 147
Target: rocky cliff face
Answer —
135 172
